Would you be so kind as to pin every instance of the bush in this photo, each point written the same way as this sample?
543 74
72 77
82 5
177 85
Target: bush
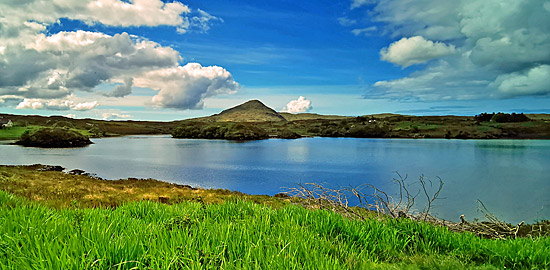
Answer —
501 117
288 134
97 132
63 124
53 138
509 118
239 131
243 132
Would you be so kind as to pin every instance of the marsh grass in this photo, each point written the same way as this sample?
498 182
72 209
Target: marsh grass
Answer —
60 190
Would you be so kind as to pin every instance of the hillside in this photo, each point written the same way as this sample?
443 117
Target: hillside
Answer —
254 120
310 116
250 111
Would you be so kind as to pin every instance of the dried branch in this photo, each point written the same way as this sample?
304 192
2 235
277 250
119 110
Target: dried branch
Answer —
371 199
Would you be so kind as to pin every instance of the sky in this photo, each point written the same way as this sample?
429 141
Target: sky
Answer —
170 60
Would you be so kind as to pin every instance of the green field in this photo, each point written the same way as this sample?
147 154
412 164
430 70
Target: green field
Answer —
13 133
240 235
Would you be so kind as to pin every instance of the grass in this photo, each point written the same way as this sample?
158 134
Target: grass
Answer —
52 220
60 190
239 235
13 133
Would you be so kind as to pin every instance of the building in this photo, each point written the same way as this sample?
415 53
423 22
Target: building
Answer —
5 123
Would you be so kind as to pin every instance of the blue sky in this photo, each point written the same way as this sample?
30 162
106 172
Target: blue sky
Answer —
153 60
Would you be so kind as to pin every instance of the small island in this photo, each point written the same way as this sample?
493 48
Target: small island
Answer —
54 138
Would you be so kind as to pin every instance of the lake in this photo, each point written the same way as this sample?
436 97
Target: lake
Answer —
511 177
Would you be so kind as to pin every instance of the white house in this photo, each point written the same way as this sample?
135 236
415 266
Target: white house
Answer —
5 123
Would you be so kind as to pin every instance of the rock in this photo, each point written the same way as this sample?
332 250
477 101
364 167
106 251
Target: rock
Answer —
47 168
77 172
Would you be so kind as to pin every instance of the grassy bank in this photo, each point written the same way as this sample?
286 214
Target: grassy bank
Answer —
236 235
53 220
59 190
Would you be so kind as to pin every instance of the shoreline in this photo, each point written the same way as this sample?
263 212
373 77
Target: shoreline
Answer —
52 186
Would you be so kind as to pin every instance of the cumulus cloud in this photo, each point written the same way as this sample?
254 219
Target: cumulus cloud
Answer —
364 31
535 81
56 104
186 87
114 115
42 70
298 106
415 50
122 90
34 13
500 48
57 65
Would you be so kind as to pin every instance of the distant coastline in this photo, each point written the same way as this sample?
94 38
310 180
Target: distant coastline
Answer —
253 120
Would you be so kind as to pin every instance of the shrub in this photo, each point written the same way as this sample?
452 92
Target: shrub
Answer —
53 138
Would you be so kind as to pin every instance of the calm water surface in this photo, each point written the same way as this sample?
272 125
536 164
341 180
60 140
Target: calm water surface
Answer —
510 176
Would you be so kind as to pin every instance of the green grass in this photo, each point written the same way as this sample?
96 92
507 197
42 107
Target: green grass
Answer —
239 235
13 133
60 190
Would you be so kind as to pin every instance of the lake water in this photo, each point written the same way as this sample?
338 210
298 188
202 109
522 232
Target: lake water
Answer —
511 177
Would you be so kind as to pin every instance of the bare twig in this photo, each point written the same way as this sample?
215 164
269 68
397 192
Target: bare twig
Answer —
371 199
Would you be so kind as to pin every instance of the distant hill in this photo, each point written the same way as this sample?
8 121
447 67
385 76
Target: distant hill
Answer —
310 116
256 111
250 111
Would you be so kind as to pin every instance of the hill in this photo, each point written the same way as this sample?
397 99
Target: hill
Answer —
250 111
310 116
254 120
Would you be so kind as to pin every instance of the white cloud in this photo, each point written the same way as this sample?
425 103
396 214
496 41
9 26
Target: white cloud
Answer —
34 13
56 104
201 22
34 104
43 71
58 65
500 48
534 81
344 21
415 50
364 31
298 106
359 3
114 115
70 115
135 13
186 87
84 106
122 90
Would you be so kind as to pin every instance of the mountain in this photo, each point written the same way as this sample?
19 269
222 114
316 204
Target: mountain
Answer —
250 111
